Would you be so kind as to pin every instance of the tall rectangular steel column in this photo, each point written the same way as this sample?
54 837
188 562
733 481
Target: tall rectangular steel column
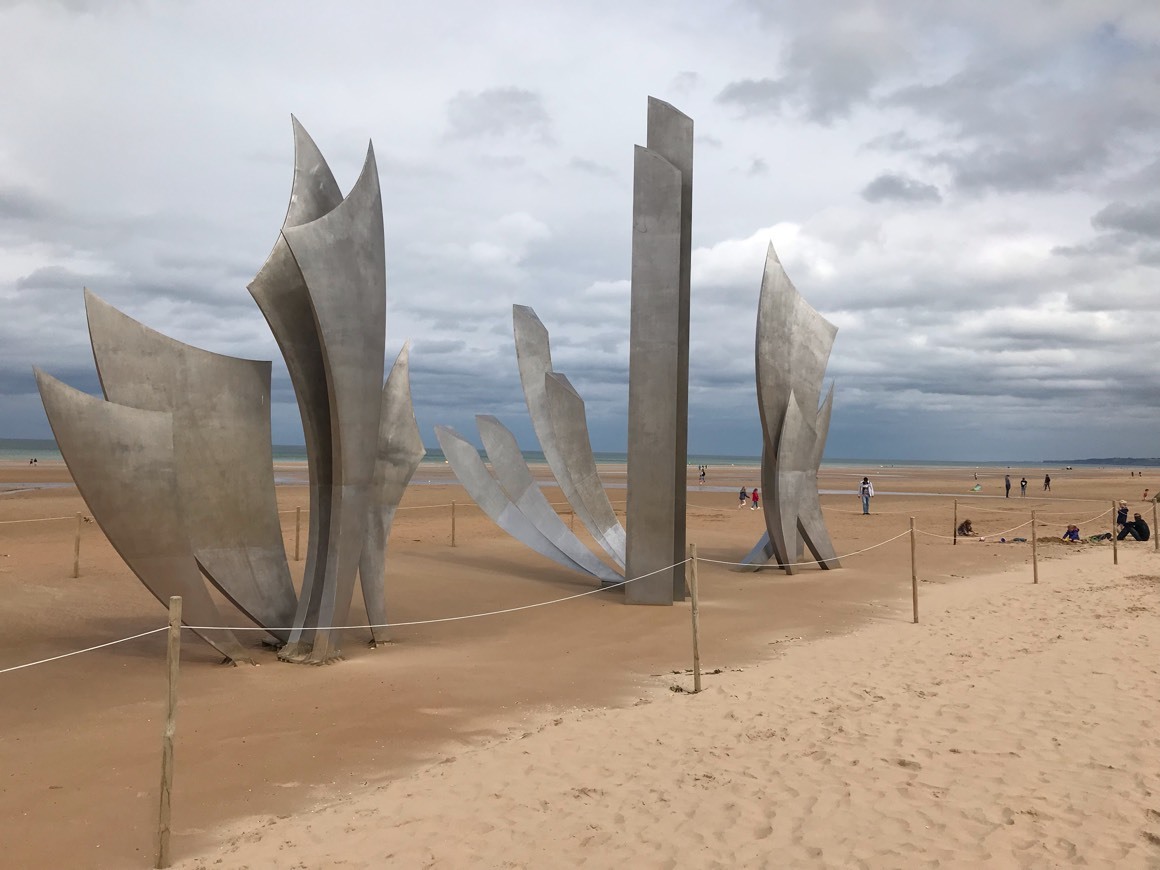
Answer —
658 380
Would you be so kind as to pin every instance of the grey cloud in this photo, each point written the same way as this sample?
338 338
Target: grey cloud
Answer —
1029 166
757 166
756 96
706 141
1139 219
591 167
498 112
900 188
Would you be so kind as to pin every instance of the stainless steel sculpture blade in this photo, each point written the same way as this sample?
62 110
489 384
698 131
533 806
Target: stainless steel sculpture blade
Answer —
122 460
575 467
792 348
670 134
222 456
570 427
517 482
489 496
399 454
281 294
654 526
342 261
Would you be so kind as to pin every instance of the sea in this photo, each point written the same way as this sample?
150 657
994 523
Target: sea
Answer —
45 449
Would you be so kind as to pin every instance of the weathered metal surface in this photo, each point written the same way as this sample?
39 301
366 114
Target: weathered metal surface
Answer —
342 260
517 482
122 461
222 455
670 134
280 292
566 447
653 382
489 496
792 348
400 451
570 425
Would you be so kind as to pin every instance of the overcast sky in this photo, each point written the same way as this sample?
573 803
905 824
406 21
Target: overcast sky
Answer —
968 190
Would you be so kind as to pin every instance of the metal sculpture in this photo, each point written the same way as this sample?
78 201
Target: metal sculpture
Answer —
124 465
658 379
562 431
221 442
399 454
515 478
176 465
792 348
493 501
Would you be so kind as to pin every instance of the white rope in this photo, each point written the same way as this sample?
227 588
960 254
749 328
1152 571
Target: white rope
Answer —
812 562
38 520
445 618
79 651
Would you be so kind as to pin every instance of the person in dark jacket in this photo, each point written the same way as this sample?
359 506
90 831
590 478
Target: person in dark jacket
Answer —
1122 514
1137 528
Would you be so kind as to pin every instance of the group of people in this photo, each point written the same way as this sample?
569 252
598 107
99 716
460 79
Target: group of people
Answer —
1022 485
745 496
1135 528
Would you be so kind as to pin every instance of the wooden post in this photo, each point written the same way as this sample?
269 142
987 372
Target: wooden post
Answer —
691 578
1115 542
77 547
1155 537
913 572
1034 552
955 539
173 657
453 524
298 533
571 519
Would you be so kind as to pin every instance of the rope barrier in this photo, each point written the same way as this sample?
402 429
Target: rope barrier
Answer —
79 651
40 520
813 561
450 618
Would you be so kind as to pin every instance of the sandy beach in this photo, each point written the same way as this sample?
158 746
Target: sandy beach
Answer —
1014 726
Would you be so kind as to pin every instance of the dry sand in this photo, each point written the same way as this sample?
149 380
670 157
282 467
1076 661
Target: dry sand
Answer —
1014 725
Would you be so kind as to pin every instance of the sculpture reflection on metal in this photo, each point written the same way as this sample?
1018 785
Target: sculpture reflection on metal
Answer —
124 465
516 480
221 441
792 348
562 431
176 466
399 453
658 375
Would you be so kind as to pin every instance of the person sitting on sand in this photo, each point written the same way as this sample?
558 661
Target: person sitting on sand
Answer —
1072 534
1137 528
965 530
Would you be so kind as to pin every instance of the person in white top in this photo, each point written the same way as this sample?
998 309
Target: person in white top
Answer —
866 490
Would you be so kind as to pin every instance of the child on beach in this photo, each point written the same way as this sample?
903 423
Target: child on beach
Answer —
1072 534
743 496
755 498
966 530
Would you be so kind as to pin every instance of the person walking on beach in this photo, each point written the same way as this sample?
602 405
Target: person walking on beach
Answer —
755 498
1047 483
866 490
702 480
744 496
1023 488
1006 486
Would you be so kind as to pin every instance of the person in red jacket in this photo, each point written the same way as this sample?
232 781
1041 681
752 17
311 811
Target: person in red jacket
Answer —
755 499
